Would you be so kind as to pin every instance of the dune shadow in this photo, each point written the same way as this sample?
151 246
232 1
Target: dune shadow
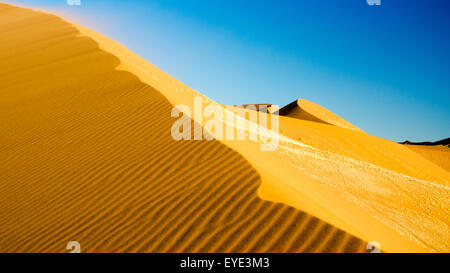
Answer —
87 155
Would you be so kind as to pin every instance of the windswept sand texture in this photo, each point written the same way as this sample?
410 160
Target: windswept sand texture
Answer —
374 188
86 154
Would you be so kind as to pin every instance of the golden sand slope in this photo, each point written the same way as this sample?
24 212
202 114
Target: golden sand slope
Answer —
374 188
398 188
439 155
404 212
307 110
362 146
87 155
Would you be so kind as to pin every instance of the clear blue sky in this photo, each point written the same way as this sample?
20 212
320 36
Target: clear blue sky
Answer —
384 68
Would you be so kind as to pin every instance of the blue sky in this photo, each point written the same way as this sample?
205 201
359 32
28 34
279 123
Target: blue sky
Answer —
384 68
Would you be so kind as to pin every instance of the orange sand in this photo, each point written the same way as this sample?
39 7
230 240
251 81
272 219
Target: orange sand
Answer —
87 155
307 110
439 155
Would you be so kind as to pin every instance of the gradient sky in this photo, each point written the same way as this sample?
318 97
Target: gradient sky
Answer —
385 68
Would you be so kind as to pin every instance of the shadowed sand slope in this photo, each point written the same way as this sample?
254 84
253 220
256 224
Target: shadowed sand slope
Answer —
86 154
439 154
307 110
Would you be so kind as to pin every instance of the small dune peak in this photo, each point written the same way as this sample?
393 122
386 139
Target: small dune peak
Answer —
307 110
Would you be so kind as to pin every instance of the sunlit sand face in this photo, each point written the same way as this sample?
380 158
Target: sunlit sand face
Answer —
88 156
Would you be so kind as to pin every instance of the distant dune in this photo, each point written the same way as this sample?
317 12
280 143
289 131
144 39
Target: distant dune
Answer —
307 110
437 152
444 142
87 155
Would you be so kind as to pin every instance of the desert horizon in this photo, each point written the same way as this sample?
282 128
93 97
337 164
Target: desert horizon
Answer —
103 151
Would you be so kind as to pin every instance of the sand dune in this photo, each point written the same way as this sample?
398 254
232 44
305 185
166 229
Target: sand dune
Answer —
439 155
307 110
374 188
87 155
363 147
444 142
437 152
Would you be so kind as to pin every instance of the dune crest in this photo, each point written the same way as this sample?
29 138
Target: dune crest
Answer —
87 155
88 126
307 110
285 180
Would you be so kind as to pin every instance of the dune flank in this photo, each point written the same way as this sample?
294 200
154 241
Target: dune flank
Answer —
439 155
307 110
87 155
374 188
362 147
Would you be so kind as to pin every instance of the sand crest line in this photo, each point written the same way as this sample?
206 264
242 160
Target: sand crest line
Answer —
88 159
